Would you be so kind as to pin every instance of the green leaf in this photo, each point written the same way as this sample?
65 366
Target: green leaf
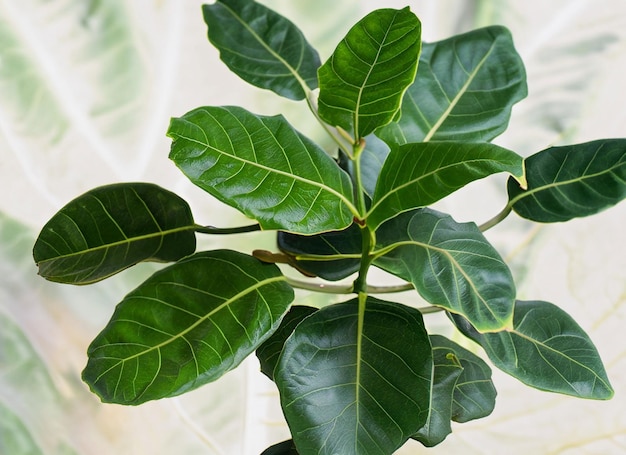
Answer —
450 264
185 326
333 377
327 244
15 437
111 228
474 393
269 352
446 372
372 159
571 181
464 90
262 47
282 448
263 167
362 84
546 349
417 175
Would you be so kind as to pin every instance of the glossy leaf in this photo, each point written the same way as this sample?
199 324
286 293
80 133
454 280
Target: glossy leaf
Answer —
571 181
269 352
474 393
450 264
446 372
262 47
333 376
362 83
546 349
417 175
282 448
111 228
372 159
347 241
185 326
464 90
263 167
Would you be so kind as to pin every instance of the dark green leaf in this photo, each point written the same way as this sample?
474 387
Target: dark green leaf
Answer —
571 181
282 448
262 47
362 84
111 228
450 264
546 349
270 350
263 167
474 393
417 175
372 160
347 241
185 326
447 370
464 90
334 378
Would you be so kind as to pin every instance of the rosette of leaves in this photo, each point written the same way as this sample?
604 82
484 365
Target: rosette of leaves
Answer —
412 122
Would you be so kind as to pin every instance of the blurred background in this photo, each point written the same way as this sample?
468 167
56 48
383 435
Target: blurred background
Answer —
87 88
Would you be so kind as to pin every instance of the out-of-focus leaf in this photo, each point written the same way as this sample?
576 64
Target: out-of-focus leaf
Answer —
262 47
464 90
417 175
269 352
111 228
186 325
571 181
15 437
450 264
263 167
546 349
447 370
333 378
347 241
362 83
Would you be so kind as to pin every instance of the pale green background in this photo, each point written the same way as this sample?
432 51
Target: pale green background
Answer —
86 92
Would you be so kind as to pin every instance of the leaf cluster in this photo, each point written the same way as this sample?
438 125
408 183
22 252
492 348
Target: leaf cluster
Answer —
412 123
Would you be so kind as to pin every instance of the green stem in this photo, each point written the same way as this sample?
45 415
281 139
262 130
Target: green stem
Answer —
347 289
496 219
234 230
332 133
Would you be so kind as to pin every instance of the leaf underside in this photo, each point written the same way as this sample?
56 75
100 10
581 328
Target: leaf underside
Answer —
185 326
111 228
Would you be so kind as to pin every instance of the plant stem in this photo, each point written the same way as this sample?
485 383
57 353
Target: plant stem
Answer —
347 289
496 219
234 230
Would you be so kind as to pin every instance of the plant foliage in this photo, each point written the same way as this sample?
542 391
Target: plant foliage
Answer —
411 123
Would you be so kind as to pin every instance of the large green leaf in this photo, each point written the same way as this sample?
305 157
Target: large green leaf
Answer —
362 83
571 181
263 167
446 372
546 349
464 90
15 437
269 352
111 228
416 175
262 47
334 382
282 448
450 264
185 326
328 248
